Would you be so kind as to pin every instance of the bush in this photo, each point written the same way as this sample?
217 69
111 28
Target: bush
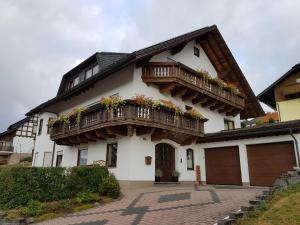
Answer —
33 208
85 197
110 187
26 159
19 185
83 178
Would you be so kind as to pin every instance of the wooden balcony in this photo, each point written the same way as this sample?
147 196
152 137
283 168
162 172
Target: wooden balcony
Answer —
101 123
293 89
183 81
6 149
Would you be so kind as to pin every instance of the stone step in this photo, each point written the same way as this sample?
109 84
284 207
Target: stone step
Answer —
237 215
226 222
248 208
255 202
267 192
263 197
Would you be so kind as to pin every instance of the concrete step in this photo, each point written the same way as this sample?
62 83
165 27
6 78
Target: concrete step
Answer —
255 202
237 215
263 197
226 222
248 208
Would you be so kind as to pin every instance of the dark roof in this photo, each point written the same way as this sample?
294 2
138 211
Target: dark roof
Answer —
113 62
13 127
268 129
267 96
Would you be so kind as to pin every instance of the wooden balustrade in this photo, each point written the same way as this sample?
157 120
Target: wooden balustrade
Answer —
181 76
129 114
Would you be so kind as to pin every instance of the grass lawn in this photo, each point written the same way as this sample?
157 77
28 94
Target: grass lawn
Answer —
282 209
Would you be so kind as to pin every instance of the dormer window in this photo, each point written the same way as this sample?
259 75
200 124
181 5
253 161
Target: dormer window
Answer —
88 73
76 81
95 69
71 84
298 80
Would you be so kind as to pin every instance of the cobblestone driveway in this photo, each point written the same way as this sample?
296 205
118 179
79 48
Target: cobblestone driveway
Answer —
164 205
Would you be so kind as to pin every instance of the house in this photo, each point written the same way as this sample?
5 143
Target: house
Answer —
17 141
269 117
284 95
173 106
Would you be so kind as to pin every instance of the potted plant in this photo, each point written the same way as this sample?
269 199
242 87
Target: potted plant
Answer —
175 175
158 175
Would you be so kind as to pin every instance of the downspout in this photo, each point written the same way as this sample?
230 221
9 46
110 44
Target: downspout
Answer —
296 144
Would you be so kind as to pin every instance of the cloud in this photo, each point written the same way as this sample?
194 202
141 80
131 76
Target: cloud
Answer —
41 40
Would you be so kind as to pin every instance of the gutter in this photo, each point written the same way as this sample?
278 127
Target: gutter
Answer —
296 144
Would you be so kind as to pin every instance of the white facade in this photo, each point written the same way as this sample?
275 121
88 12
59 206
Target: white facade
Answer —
132 150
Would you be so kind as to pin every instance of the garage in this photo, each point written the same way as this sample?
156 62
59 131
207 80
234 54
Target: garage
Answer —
267 162
223 166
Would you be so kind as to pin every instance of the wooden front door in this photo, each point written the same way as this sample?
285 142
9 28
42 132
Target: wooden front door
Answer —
165 161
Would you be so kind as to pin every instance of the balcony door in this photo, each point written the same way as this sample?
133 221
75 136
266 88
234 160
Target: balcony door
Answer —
165 161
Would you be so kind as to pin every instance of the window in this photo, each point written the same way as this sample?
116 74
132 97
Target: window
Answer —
190 159
59 158
47 159
228 124
95 69
81 77
82 157
111 155
196 52
71 84
49 127
298 80
40 127
76 81
88 74
36 156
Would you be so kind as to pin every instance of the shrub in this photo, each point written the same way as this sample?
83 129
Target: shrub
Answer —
19 185
110 187
33 208
26 159
83 178
85 197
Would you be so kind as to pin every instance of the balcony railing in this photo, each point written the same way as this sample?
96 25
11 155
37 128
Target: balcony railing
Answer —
162 72
6 148
130 114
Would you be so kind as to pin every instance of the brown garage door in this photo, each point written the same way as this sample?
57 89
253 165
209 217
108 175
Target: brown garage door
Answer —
267 162
223 165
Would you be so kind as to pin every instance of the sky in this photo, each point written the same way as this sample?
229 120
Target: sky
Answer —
40 40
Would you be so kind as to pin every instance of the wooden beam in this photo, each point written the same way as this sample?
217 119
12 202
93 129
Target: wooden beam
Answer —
189 95
178 91
211 102
226 109
73 140
116 131
234 112
219 105
189 140
200 100
90 136
167 87
144 130
130 130
159 134
82 139
101 134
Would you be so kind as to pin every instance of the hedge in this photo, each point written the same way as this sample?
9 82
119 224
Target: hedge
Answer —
19 185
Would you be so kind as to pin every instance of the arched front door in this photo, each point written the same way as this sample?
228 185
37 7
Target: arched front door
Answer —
165 161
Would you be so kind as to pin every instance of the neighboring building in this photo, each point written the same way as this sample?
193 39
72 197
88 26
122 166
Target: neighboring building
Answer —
284 95
18 140
134 140
270 117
